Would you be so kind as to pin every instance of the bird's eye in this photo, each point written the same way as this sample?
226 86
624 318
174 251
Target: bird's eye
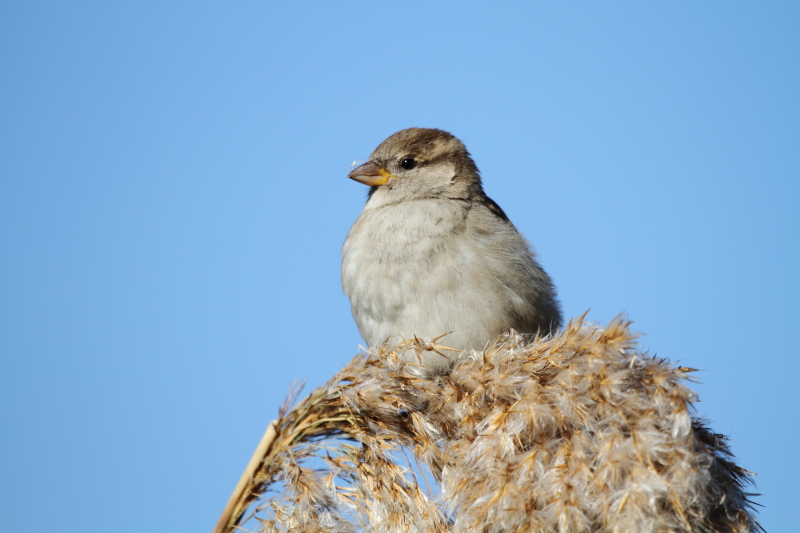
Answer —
408 163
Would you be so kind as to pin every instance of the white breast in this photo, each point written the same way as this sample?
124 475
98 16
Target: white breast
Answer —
407 275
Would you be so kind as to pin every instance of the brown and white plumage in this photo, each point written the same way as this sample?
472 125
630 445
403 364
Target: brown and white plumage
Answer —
431 254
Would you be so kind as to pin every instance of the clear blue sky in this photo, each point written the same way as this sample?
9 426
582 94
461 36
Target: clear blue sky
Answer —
173 198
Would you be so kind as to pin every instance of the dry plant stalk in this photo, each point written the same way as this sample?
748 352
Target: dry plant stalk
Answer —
575 433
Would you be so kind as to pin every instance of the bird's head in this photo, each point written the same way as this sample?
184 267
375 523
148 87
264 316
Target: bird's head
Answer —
419 163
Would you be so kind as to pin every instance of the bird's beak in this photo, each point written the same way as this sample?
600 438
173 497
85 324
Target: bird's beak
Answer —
370 174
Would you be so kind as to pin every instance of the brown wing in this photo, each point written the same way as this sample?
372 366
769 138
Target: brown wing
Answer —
494 208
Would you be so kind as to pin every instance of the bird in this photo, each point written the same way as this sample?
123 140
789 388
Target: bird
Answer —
432 257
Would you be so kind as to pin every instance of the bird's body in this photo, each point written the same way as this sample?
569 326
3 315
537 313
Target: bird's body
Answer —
432 255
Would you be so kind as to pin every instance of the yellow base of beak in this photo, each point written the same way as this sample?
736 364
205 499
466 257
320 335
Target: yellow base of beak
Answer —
370 174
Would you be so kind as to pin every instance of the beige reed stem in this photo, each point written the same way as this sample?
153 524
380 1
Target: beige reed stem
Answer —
242 494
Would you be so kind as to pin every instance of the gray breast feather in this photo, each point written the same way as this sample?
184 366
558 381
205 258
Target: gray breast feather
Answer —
407 274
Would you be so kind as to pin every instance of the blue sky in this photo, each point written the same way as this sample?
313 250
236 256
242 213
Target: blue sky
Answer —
173 198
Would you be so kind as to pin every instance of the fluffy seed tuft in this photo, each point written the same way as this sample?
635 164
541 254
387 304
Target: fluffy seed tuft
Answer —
575 433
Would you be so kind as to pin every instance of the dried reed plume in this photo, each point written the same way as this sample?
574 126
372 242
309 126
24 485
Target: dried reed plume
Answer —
575 433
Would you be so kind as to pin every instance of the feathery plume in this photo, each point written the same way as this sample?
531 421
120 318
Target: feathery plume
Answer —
578 432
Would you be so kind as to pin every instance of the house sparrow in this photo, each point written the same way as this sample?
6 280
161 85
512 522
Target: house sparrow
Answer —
431 256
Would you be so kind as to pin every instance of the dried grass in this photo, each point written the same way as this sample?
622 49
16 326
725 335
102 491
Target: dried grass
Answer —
575 433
